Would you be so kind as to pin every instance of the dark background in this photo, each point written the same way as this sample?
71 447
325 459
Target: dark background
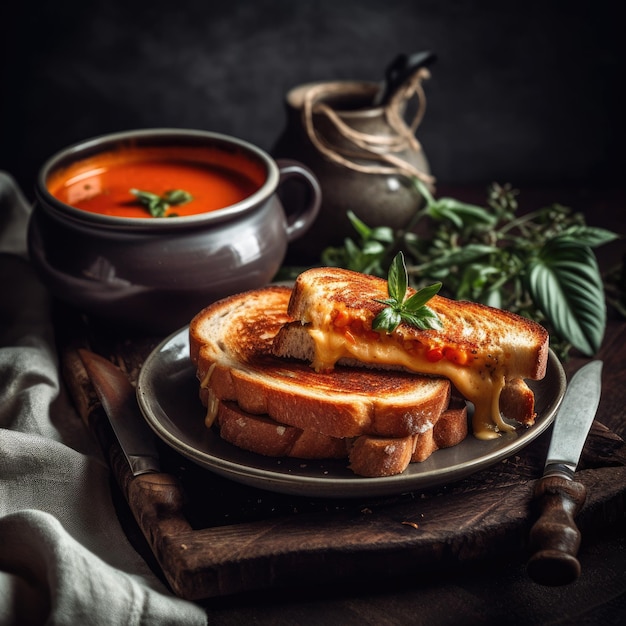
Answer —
524 92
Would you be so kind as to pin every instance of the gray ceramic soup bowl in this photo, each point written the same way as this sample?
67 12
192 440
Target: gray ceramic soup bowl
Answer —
155 273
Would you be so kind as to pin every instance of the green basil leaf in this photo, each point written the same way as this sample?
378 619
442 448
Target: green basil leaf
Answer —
565 281
351 248
423 190
423 318
388 320
158 205
176 197
366 260
420 298
360 226
373 248
144 196
440 213
397 281
383 234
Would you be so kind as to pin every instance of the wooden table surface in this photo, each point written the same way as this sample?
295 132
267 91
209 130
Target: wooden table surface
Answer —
495 589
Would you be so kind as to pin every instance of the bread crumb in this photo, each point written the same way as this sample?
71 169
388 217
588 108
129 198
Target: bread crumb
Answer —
412 524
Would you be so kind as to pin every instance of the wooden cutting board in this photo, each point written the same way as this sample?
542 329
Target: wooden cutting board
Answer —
212 537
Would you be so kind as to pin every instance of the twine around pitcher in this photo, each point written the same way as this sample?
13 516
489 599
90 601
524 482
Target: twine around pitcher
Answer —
382 150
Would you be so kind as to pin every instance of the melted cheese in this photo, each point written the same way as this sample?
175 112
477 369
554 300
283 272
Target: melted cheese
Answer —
213 402
478 384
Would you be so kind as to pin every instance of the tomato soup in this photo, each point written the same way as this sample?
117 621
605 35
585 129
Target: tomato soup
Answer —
213 179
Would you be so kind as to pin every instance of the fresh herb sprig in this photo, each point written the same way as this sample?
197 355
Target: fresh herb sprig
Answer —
540 264
159 205
412 310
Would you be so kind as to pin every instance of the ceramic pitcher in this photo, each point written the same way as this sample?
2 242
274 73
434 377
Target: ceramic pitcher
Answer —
364 155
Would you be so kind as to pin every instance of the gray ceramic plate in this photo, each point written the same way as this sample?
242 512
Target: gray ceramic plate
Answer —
167 392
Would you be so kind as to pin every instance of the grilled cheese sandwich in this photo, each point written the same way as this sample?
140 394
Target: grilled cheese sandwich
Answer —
479 349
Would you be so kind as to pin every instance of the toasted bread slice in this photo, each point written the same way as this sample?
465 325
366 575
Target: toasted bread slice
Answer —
479 349
386 456
263 435
368 455
450 430
231 346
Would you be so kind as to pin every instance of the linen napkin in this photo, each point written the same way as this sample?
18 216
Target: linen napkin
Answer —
64 558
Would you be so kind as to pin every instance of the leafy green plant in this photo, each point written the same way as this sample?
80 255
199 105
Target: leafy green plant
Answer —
539 264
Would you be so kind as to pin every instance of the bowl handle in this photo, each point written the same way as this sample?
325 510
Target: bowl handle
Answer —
300 218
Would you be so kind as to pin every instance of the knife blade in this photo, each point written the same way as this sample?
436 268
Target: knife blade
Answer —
119 400
554 537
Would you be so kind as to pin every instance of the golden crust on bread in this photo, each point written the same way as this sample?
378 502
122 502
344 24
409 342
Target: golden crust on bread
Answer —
381 456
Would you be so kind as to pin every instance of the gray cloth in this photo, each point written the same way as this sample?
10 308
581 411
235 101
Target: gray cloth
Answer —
64 558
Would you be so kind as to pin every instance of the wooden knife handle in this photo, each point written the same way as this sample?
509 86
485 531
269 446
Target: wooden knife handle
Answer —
555 538
154 499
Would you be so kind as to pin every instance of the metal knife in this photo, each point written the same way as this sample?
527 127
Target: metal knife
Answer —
119 400
555 538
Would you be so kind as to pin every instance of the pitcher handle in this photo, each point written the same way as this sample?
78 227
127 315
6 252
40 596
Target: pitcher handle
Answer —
300 219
